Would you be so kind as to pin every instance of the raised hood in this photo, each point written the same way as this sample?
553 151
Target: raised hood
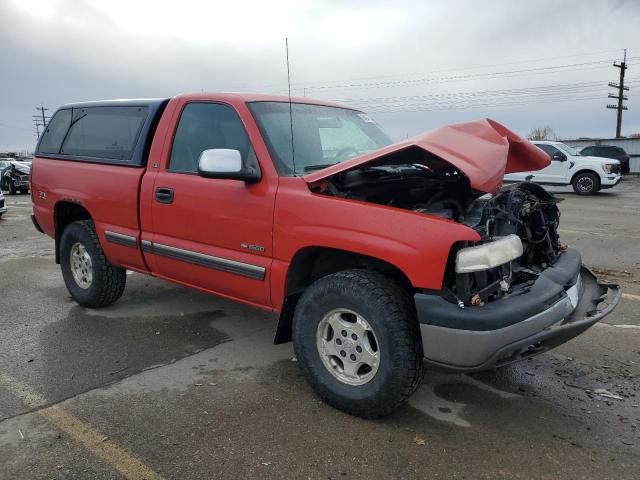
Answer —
483 150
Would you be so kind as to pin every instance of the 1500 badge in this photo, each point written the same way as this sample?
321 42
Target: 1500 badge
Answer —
255 248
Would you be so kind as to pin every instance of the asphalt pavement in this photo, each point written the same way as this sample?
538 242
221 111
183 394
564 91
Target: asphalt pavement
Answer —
175 384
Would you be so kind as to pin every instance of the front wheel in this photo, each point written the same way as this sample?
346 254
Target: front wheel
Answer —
357 341
586 183
91 280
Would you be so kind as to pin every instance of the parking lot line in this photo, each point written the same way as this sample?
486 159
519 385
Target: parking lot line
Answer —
81 432
631 296
606 234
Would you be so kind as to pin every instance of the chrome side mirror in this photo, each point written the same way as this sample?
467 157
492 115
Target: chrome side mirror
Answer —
225 163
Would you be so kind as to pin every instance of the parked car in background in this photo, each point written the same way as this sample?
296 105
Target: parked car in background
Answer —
3 207
608 151
587 175
4 163
15 177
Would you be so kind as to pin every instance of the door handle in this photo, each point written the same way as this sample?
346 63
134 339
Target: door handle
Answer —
164 195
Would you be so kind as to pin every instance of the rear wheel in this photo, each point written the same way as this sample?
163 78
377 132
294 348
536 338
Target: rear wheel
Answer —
586 183
91 280
358 343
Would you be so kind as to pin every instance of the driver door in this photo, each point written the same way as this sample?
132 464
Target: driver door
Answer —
209 233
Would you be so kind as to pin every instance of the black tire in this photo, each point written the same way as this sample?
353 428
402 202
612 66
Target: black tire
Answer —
12 189
586 183
391 315
108 280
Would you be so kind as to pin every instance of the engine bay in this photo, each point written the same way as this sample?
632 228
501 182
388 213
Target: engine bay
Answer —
428 185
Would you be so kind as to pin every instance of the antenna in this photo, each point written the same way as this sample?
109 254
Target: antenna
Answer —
293 150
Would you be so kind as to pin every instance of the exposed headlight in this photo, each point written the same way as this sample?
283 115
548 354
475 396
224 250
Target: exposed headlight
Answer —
488 255
608 167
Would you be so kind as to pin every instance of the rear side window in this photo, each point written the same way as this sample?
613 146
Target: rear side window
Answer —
104 132
205 126
587 151
55 132
615 151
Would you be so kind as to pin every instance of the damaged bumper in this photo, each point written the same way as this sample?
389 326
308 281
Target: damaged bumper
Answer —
564 301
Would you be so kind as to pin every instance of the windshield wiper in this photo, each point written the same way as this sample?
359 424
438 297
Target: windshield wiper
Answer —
310 168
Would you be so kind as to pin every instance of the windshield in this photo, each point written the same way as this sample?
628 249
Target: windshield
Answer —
566 149
323 135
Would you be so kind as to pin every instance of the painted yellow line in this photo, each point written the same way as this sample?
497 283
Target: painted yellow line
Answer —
116 456
631 296
81 432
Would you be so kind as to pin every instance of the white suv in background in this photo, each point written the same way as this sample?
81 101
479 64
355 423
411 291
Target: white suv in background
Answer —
587 175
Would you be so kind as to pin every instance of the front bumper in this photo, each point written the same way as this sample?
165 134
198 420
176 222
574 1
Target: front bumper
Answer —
610 181
565 300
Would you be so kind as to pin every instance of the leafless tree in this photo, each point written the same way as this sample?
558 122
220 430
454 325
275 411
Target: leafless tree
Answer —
543 133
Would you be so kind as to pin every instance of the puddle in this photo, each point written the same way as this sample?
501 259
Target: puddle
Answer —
428 402
446 397
85 351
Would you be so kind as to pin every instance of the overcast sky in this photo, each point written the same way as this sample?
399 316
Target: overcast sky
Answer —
415 65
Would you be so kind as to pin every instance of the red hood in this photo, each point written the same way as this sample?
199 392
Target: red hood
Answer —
483 150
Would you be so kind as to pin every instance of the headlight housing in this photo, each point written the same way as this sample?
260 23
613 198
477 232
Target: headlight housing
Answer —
488 255
608 167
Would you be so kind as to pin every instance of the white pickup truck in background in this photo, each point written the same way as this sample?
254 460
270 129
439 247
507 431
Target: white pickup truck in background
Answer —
587 175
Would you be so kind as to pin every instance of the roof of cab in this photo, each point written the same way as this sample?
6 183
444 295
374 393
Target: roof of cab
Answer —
255 97
205 96
125 102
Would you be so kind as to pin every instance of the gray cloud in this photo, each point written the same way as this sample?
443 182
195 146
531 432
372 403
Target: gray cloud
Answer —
60 51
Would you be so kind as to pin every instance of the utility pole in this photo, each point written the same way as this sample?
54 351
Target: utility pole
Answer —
42 110
37 124
621 97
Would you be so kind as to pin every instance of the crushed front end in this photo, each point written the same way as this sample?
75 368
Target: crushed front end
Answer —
516 293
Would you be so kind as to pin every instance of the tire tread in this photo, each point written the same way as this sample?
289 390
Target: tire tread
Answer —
113 278
408 353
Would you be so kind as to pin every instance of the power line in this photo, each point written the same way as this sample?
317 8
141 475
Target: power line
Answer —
514 91
13 127
465 106
352 82
541 94
476 67
473 76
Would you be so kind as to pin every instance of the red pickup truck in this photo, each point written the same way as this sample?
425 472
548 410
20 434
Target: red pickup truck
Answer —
380 258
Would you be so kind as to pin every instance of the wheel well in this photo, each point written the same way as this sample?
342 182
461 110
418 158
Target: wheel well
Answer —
64 214
585 170
313 263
